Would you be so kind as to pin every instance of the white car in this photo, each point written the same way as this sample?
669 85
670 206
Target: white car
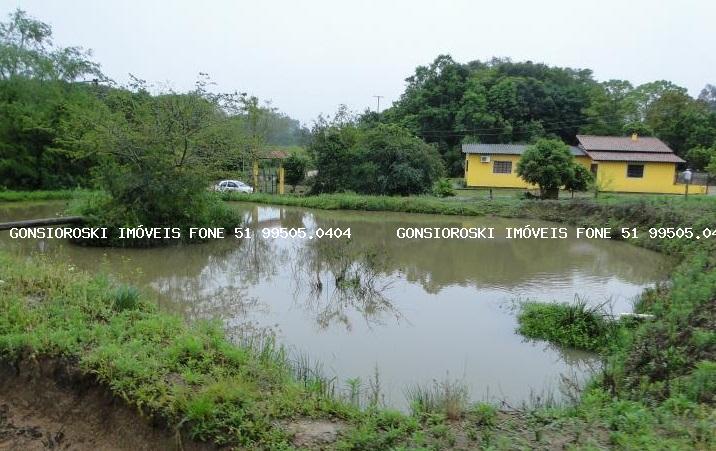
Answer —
233 185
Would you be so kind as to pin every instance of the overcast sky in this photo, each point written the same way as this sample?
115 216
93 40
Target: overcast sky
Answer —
310 56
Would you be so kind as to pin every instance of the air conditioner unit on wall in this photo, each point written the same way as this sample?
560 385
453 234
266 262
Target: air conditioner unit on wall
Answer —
485 159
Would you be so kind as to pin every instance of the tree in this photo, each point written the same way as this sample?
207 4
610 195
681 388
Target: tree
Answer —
700 157
331 142
38 93
645 95
152 150
610 107
581 179
711 168
548 164
26 50
639 128
384 159
388 160
295 166
491 102
708 96
682 122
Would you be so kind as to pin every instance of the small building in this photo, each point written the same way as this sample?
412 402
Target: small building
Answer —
621 164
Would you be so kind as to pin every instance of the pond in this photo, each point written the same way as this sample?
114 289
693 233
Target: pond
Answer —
414 310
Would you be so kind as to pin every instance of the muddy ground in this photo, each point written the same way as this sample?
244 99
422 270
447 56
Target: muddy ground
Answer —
48 405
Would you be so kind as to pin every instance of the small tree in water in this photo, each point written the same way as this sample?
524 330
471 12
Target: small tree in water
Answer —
549 165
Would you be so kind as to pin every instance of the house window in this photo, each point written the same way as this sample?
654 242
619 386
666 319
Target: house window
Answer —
594 168
635 171
502 167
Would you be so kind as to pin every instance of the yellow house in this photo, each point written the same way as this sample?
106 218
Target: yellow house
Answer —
621 164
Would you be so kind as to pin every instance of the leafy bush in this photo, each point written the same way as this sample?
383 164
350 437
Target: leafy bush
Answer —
581 179
443 188
483 414
295 166
154 171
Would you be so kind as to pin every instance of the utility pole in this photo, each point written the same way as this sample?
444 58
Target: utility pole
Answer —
378 98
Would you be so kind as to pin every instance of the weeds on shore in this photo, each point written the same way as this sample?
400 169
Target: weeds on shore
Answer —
576 325
448 397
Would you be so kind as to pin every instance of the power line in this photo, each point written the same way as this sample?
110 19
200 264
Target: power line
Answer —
553 126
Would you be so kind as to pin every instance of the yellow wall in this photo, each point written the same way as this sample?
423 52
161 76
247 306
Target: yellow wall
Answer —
611 176
658 178
480 174
584 161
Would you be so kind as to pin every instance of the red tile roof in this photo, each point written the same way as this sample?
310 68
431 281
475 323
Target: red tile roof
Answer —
274 154
623 144
657 157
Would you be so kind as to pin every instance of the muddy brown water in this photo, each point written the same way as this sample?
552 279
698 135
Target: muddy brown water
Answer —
415 310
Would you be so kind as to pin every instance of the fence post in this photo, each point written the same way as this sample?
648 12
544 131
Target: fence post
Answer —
281 178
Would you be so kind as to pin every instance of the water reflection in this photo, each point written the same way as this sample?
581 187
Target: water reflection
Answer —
334 277
416 309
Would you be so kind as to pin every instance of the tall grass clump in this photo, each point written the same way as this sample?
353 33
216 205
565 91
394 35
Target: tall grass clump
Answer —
125 297
575 325
448 397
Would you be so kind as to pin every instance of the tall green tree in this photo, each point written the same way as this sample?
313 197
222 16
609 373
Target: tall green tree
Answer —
378 159
611 106
681 121
153 151
708 96
38 89
26 50
549 165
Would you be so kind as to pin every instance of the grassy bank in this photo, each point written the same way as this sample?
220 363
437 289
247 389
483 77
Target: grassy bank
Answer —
504 206
28 196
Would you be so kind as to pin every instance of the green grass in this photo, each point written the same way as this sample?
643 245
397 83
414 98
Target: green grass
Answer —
26 196
412 204
575 325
